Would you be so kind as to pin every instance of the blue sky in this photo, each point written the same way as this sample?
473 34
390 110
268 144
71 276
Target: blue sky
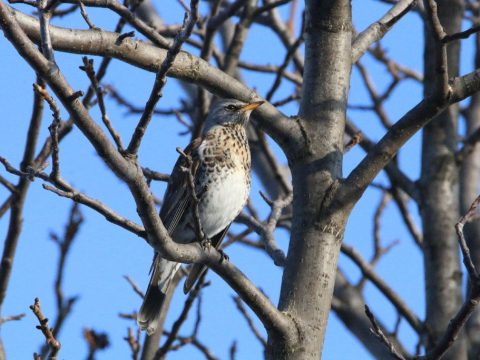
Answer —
103 253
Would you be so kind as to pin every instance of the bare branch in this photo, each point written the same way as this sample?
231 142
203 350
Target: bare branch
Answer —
17 199
155 175
133 342
45 32
88 68
381 336
467 260
461 35
185 67
8 185
172 335
266 229
191 18
11 318
378 29
53 129
388 292
278 79
53 343
83 11
134 286
64 306
249 320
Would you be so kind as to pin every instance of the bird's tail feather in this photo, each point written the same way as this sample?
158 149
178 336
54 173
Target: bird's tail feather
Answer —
195 272
149 313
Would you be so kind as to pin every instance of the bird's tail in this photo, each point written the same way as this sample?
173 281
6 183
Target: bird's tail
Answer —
149 313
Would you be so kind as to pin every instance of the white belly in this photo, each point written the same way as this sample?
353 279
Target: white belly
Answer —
222 202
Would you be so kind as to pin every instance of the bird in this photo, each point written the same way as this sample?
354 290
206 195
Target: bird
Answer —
219 163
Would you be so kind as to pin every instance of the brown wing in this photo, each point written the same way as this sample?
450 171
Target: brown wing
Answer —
177 196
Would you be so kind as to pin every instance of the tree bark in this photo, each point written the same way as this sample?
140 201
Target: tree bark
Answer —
439 193
309 276
469 180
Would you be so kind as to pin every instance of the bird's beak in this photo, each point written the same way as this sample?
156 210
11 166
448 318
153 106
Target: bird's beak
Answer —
251 106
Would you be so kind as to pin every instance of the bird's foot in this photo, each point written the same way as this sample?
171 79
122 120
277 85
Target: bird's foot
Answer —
206 243
224 257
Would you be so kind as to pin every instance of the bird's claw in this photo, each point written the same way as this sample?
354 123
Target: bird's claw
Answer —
206 243
224 257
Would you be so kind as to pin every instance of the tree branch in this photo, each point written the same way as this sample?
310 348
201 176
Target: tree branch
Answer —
191 18
381 154
377 30
185 67
53 343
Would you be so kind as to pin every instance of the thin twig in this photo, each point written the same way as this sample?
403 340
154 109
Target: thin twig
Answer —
467 260
461 35
290 53
5 319
266 228
46 41
53 129
181 319
381 336
386 290
64 242
88 68
134 286
83 11
160 79
8 185
53 343
133 342
155 175
251 325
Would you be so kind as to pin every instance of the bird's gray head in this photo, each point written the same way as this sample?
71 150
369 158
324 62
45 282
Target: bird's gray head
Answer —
230 111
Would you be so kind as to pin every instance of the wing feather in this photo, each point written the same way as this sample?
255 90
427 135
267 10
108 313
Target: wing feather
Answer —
177 196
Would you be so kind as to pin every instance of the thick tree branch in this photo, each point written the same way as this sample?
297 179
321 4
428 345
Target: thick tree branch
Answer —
185 67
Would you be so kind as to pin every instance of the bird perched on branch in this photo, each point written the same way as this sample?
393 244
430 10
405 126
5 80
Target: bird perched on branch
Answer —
217 167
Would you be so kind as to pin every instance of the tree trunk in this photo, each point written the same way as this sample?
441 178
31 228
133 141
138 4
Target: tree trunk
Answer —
439 194
309 276
469 180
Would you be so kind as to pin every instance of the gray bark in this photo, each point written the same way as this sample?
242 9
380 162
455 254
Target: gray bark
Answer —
469 189
439 193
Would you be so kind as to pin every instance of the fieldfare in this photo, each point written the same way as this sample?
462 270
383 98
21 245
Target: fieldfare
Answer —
220 165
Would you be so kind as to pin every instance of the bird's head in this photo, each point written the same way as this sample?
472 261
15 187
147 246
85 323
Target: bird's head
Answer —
230 111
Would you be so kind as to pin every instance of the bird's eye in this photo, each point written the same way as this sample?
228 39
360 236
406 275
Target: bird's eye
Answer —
231 107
